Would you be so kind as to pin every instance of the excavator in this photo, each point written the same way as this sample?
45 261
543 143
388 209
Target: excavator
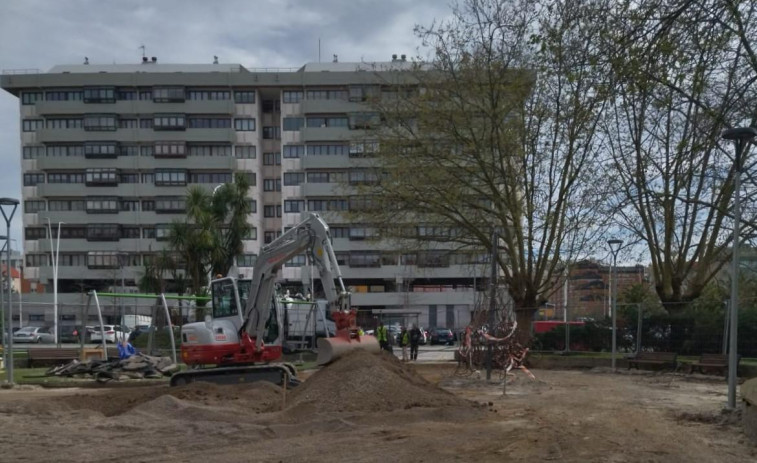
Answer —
242 340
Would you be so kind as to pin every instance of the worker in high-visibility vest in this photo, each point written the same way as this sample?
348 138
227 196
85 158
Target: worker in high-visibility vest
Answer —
382 336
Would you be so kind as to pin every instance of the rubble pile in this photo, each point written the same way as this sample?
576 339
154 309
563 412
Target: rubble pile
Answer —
138 366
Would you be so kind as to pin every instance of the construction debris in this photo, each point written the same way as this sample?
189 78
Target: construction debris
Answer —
507 352
138 366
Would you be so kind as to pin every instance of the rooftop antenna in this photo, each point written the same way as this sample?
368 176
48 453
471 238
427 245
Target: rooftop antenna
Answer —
144 50
336 59
215 59
319 49
86 60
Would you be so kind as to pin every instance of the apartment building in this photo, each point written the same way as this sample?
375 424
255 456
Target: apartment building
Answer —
108 152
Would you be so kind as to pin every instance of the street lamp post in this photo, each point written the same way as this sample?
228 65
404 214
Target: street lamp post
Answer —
741 136
54 259
12 203
615 245
6 328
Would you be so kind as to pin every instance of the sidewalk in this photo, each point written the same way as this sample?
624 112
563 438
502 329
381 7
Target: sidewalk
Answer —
430 353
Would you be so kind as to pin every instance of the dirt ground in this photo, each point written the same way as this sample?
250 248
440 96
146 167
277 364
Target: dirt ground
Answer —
374 409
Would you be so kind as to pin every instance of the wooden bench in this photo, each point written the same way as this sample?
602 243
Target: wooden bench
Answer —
656 359
709 362
47 356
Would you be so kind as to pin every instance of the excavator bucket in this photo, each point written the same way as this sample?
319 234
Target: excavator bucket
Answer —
330 349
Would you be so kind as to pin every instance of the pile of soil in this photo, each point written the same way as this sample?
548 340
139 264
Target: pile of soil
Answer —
361 381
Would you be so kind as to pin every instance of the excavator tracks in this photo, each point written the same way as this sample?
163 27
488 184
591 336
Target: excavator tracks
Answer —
275 373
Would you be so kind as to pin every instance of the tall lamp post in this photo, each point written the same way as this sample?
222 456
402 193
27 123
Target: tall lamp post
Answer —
6 329
741 136
615 245
11 204
54 260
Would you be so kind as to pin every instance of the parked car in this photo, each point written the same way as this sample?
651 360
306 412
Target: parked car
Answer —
393 332
442 336
113 333
34 334
74 333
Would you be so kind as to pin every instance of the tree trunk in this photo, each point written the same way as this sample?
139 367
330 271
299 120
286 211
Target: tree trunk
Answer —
524 316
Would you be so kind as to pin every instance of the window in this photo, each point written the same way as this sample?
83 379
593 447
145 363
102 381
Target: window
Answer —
293 123
170 204
363 203
170 177
294 205
325 177
34 152
293 178
209 150
364 120
272 133
361 233
296 261
162 232
246 96
131 177
32 125
252 234
102 205
102 259
34 178
132 123
210 177
37 260
272 210
203 95
72 260
294 151
99 95
93 150
68 232
100 122
170 149
128 205
64 95
130 232
253 206
148 205
316 205
433 259
148 233
66 205
102 177
247 260
148 178
35 233
145 123
145 94
244 152
169 122
271 159
63 123
34 205
342 258
126 94
251 178
365 259
197 122
168 94
103 232
146 151
320 121
292 96
339 232
129 150
269 236
272 184
363 92
65 177
31 97
271 106
363 177
327 95
319 150
244 125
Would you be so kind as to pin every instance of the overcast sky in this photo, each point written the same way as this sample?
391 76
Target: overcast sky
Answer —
39 34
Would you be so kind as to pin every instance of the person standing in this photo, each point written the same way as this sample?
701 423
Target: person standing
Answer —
381 335
404 343
415 339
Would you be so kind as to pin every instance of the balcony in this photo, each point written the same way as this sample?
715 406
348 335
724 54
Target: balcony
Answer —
135 135
312 134
331 106
333 161
136 107
321 189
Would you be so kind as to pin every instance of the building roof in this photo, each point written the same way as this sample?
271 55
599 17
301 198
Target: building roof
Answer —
143 67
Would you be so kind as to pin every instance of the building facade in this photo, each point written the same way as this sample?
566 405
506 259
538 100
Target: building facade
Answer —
108 152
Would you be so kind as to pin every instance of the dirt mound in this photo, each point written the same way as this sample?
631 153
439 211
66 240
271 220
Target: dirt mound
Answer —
254 397
362 381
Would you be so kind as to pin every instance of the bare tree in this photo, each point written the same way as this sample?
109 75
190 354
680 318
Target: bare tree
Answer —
680 80
496 132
